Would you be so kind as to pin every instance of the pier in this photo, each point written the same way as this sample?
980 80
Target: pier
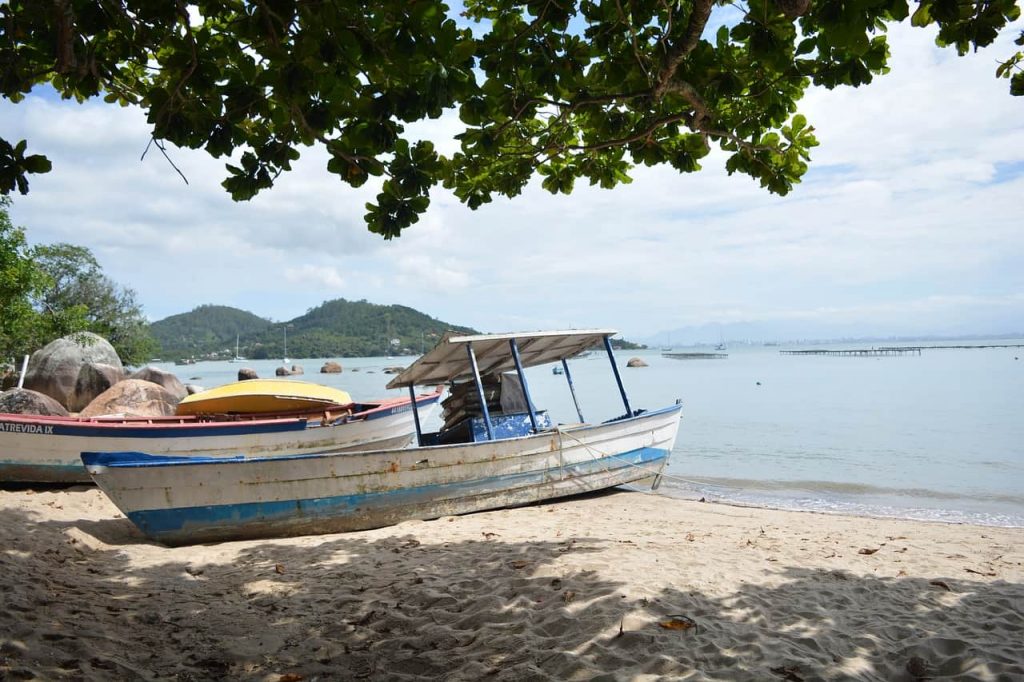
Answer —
859 352
695 356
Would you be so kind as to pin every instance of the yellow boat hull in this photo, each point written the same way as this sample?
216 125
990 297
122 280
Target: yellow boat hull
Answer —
263 396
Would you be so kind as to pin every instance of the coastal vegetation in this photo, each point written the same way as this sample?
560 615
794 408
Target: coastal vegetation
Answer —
559 91
337 328
52 290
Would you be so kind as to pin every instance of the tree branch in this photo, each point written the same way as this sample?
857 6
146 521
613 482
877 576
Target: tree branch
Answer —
699 16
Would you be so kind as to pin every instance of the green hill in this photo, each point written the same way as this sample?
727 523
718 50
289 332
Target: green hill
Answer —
207 329
337 328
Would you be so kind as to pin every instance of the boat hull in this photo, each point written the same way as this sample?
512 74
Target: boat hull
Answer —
48 450
181 502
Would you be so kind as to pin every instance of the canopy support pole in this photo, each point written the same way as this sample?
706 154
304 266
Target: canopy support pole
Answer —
416 415
522 379
480 391
572 390
618 379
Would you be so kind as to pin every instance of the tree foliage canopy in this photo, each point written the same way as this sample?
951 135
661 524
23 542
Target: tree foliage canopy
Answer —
565 89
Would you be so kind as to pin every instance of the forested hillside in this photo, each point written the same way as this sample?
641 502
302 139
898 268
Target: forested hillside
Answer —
337 328
207 329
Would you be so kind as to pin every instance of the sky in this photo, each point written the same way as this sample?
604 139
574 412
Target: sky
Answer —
910 222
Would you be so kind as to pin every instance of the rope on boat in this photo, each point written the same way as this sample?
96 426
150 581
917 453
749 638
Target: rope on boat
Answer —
603 455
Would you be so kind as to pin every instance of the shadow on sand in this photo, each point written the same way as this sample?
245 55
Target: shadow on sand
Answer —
82 600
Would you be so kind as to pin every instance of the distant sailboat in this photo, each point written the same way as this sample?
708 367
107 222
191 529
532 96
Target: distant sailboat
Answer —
285 344
237 358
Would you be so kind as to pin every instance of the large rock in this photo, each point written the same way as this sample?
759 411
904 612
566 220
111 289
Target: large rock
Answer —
636 362
24 401
134 398
93 379
331 367
54 369
165 379
247 373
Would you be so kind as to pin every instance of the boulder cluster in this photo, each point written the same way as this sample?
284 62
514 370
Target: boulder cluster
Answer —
83 374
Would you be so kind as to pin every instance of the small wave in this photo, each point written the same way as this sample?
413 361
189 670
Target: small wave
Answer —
846 488
855 499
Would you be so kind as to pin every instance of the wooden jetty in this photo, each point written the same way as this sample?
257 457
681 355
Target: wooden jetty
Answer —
695 356
859 352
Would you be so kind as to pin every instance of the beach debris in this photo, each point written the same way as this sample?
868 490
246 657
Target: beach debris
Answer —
568 596
690 537
519 564
488 535
868 551
279 569
788 672
677 622
917 667
990 574
939 583
290 677
556 584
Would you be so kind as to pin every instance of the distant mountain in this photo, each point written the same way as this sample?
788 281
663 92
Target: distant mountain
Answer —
207 329
337 328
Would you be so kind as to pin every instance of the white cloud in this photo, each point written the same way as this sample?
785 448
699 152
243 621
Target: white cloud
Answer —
326 279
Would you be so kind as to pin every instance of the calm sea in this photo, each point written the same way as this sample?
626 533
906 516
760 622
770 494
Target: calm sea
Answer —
938 436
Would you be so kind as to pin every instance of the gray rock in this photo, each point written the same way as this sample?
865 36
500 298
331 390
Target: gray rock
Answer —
282 371
331 367
133 397
297 369
247 373
24 401
636 362
93 379
192 389
165 379
53 370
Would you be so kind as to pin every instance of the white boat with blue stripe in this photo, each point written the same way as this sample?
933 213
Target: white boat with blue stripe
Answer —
37 449
496 450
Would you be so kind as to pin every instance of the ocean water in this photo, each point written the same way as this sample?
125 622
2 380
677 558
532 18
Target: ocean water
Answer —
938 436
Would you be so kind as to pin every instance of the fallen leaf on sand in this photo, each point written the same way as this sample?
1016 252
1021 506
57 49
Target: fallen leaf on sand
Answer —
568 596
677 623
488 535
939 583
291 677
279 568
866 550
519 563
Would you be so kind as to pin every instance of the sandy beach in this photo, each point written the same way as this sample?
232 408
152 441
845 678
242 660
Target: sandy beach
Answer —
615 586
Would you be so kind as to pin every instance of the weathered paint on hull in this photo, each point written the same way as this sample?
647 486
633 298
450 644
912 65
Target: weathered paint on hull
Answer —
243 499
53 455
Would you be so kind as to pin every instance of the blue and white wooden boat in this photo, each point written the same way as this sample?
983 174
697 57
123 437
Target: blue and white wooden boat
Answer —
488 461
35 449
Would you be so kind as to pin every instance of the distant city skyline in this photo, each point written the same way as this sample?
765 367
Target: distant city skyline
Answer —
908 223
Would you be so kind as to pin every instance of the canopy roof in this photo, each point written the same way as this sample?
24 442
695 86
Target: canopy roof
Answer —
449 361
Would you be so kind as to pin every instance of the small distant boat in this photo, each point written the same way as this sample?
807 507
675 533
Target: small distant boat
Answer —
557 369
237 358
720 346
495 450
35 449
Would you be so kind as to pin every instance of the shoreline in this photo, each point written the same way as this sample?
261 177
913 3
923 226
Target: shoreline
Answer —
621 585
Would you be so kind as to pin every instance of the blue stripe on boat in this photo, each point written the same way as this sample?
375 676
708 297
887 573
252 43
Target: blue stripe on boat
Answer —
157 522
